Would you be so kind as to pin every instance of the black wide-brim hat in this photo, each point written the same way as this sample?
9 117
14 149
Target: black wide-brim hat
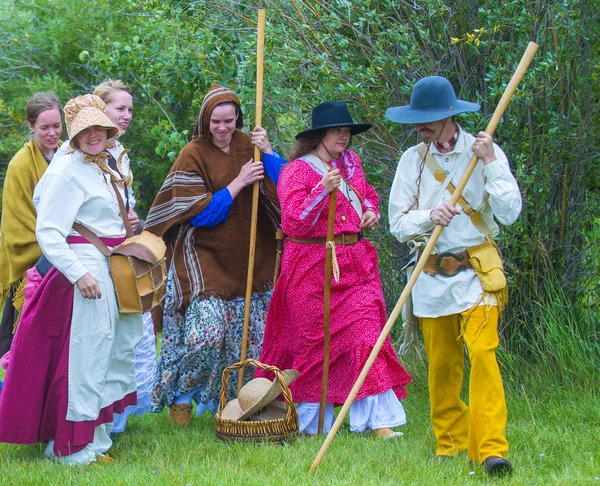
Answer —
332 114
433 99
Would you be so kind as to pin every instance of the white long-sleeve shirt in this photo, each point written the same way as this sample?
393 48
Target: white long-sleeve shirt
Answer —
75 191
492 191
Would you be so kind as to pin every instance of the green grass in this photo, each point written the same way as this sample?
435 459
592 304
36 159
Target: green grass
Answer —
553 434
558 338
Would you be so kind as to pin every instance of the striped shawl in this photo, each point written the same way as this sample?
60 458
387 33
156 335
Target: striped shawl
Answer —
213 261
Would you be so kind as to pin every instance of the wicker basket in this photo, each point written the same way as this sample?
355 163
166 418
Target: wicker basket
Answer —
270 431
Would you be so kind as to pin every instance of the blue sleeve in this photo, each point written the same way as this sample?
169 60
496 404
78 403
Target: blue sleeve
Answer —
216 212
273 164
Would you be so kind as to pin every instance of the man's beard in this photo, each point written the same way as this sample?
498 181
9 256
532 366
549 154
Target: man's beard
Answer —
426 136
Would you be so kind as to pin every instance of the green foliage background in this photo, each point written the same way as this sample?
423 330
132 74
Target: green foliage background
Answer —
368 53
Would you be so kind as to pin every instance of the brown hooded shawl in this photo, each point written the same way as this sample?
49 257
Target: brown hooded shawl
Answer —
214 261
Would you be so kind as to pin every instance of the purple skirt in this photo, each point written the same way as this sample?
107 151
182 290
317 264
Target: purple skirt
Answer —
34 399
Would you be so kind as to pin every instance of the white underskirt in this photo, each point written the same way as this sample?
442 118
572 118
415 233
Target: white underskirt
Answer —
98 447
145 370
383 410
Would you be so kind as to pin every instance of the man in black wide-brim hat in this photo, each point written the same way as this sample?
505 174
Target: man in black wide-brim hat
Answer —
462 290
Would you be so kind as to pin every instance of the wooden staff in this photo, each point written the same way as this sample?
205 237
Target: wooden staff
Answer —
260 48
510 89
327 307
279 236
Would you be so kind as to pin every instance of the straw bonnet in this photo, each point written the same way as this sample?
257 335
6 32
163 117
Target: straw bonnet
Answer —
432 99
87 111
255 395
332 114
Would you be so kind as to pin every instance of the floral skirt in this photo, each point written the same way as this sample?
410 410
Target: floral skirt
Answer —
199 345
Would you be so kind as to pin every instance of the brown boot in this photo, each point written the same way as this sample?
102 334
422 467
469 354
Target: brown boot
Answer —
387 433
180 414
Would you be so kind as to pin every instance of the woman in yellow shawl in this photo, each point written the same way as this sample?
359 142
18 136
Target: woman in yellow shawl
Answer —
19 250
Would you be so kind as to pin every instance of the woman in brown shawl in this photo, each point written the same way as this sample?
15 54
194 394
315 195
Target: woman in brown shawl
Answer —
203 212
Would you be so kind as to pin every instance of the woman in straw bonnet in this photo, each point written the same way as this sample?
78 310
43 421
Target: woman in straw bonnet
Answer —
72 363
203 212
19 249
119 109
320 164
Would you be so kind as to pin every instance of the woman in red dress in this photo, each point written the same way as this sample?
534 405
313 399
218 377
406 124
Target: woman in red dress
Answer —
321 163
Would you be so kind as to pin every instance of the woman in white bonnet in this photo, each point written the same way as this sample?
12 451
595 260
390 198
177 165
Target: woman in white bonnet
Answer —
72 362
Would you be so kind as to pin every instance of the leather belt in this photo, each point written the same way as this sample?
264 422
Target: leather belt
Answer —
339 240
448 264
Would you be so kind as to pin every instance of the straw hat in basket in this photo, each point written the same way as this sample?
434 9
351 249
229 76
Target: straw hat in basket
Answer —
255 415
256 395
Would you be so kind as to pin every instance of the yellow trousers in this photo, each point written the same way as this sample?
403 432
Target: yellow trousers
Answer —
480 427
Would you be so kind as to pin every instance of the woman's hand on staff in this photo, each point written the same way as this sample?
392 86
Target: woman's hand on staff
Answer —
88 286
368 220
332 180
251 172
261 140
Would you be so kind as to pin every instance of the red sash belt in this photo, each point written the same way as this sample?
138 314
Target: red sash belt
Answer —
77 240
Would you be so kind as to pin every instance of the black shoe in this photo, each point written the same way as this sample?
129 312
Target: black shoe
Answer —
497 466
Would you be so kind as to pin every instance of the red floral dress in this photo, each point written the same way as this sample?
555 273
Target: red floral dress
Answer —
294 327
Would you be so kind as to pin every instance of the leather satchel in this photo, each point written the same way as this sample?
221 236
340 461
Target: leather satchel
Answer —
487 263
137 265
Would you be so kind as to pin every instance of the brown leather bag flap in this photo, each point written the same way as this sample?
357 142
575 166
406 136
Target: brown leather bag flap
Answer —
137 250
154 243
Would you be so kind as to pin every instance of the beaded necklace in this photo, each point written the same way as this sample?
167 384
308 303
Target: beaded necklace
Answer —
449 144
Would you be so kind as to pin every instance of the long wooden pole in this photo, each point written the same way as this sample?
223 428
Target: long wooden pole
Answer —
279 236
327 308
490 129
260 48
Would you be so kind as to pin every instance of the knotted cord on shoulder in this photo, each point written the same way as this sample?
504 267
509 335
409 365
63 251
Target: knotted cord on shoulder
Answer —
418 195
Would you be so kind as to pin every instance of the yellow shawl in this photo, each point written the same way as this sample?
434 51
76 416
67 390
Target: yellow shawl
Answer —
19 249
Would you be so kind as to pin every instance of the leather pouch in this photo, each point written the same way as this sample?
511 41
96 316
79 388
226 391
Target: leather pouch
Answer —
487 263
137 266
138 270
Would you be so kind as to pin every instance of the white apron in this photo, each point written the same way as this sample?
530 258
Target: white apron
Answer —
102 344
